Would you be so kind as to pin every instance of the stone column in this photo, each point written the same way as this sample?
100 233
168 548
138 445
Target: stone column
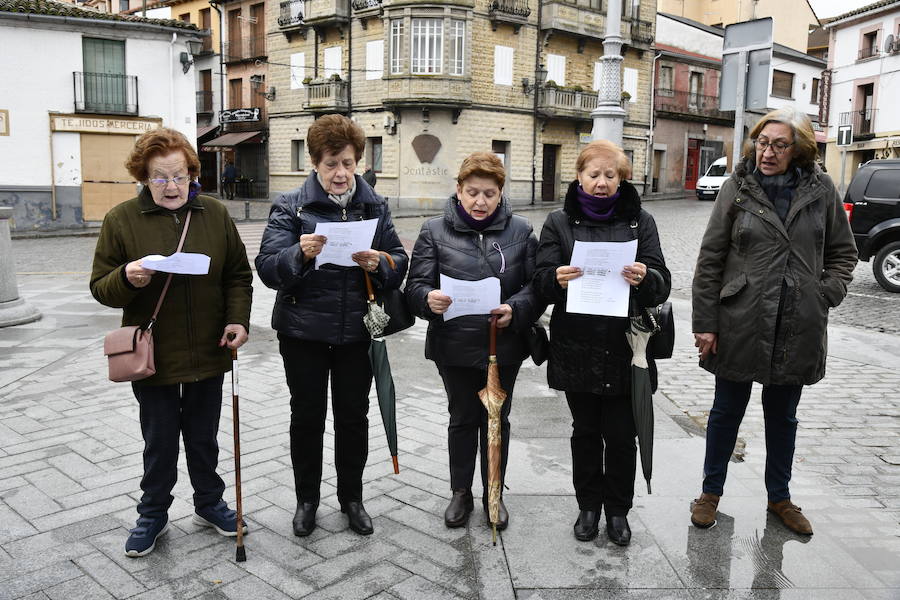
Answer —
609 116
13 310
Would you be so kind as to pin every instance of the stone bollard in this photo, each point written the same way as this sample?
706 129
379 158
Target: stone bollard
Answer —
13 310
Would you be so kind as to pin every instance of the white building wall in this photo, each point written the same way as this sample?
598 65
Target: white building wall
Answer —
673 33
802 91
44 84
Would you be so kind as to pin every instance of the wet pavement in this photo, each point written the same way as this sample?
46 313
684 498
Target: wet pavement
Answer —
70 456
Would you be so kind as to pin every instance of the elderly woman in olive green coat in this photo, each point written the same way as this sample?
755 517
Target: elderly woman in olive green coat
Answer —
777 254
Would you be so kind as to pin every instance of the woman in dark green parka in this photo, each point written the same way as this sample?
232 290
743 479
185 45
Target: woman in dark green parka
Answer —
191 335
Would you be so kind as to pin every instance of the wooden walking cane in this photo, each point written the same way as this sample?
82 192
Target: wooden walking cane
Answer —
240 555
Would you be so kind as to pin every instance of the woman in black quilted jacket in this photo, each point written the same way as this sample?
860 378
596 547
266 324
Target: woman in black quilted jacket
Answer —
319 312
477 237
590 359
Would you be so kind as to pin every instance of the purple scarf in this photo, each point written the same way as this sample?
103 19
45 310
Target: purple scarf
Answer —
594 208
475 223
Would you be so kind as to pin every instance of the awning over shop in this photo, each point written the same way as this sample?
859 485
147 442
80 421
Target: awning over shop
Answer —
204 132
232 139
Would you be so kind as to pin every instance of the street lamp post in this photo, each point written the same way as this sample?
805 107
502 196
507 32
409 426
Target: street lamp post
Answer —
609 116
540 76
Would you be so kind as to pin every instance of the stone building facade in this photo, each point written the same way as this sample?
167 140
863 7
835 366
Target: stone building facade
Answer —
432 82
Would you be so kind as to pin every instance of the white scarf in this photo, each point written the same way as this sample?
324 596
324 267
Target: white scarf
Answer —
340 199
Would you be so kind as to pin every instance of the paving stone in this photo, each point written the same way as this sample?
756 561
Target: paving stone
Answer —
81 588
362 584
111 576
43 579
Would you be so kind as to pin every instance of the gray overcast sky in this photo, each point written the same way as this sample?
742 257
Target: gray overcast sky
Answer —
831 8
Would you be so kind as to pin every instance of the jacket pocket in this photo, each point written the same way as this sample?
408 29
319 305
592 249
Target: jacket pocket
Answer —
733 287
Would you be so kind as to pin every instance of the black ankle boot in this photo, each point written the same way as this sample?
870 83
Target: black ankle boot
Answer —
586 527
618 530
305 518
502 516
461 505
359 519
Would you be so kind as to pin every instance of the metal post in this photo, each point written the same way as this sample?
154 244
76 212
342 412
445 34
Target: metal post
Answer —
739 109
843 171
609 116
13 309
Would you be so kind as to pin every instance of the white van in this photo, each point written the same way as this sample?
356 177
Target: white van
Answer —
708 186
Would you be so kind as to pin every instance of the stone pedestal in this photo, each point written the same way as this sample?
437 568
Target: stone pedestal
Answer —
13 310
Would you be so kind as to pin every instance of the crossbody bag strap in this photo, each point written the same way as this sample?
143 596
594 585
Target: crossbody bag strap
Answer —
162 295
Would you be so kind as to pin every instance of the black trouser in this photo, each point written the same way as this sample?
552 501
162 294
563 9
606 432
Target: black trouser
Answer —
780 415
191 409
307 366
468 421
604 452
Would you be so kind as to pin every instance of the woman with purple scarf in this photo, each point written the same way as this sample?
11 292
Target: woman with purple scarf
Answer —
477 237
590 359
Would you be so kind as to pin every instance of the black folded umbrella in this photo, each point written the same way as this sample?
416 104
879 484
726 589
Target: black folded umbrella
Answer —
642 396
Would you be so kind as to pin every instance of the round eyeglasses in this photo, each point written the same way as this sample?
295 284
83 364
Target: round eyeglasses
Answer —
179 180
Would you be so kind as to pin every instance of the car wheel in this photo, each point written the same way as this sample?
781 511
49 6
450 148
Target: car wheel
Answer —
886 267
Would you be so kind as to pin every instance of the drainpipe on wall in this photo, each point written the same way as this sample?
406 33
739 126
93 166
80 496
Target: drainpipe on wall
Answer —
218 116
172 80
534 114
349 57
52 179
648 164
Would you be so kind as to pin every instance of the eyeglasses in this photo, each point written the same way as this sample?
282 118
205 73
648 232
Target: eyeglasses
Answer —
778 148
178 180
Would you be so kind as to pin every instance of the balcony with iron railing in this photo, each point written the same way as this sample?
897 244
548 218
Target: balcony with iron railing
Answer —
105 93
863 122
641 32
204 102
206 45
291 14
510 12
364 6
247 48
560 103
687 106
326 96
867 52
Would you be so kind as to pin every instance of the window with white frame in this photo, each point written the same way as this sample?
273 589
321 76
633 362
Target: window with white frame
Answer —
298 70
427 46
297 155
396 46
556 69
457 41
374 59
630 83
503 65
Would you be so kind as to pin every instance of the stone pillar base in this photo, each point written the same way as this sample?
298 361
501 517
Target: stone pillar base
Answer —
17 312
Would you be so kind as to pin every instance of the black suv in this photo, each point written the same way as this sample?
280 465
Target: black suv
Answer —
872 203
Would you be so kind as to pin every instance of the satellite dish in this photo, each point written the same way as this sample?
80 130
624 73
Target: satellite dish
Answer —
889 43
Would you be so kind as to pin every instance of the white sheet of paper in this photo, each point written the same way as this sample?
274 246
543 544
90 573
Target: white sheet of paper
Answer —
471 297
344 239
601 290
183 263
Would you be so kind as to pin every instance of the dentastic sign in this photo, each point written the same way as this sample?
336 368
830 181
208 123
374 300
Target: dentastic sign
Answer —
100 125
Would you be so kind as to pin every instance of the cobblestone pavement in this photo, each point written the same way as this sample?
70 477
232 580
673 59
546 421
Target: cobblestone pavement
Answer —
70 464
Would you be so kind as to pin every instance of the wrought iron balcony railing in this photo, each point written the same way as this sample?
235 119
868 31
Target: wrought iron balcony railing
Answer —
361 5
105 93
245 48
517 8
204 102
863 121
291 13
868 52
686 103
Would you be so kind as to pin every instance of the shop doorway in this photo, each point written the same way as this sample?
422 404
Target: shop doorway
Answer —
105 181
692 165
550 173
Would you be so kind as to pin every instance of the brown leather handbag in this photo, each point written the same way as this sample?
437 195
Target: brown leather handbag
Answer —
129 350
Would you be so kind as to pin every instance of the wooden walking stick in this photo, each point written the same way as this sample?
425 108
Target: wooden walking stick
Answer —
240 555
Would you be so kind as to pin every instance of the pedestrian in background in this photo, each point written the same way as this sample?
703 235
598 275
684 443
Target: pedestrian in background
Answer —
318 315
477 237
777 254
229 176
191 334
370 178
590 358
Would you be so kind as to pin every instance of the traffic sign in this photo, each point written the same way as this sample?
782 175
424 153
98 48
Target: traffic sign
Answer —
845 135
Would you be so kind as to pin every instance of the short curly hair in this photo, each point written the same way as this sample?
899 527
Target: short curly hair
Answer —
605 148
159 142
805 150
482 164
333 133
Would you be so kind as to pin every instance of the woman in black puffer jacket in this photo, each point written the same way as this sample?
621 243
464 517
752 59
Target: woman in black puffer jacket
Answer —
477 237
319 315
590 359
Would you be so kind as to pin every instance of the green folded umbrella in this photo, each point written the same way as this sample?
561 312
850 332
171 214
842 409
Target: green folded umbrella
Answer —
387 396
641 394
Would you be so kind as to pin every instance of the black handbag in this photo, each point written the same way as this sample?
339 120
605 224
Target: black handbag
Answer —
659 321
393 301
538 343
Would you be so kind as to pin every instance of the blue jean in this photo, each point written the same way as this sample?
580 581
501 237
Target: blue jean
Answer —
779 412
189 410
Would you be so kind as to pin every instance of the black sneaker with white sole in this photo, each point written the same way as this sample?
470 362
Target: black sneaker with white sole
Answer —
142 539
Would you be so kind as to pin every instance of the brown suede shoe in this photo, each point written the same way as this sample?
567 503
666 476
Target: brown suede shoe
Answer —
791 516
703 510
